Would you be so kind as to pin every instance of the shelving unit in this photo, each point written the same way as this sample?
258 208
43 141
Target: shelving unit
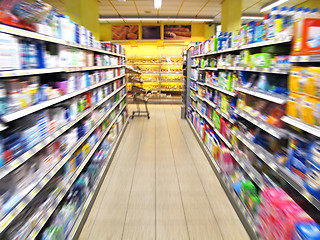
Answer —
292 183
112 107
158 75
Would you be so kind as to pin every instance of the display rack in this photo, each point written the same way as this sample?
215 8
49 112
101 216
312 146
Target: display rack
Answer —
112 114
201 107
158 79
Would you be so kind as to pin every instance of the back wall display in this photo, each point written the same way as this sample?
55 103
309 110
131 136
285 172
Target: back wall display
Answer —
125 32
177 32
151 32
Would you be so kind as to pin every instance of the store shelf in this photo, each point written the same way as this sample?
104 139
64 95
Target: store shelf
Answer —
171 64
225 116
133 70
233 94
272 97
201 98
28 34
86 207
147 64
26 111
301 125
211 68
305 58
283 172
201 83
210 103
192 79
257 69
39 71
171 73
194 66
41 183
150 72
60 195
15 163
195 100
248 46
224 140
243 213
273 130
193 89
194 109
171 90
249 169
201 69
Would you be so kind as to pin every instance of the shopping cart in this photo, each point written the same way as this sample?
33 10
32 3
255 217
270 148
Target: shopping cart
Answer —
139 96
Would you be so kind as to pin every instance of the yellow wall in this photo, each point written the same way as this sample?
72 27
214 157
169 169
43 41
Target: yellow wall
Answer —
78 12
231 15
310 4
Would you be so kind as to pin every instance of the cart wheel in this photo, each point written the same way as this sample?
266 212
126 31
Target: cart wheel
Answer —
148 117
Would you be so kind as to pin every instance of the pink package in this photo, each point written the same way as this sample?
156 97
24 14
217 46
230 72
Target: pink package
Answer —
223 127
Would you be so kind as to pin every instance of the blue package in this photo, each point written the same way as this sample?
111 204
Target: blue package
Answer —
307 231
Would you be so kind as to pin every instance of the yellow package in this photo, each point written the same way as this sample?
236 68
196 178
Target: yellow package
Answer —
294 105
312 82
310 111
293 82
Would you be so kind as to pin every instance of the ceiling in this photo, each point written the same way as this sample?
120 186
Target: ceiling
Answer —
172 8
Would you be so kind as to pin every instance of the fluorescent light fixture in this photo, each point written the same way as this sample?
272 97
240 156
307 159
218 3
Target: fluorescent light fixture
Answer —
156 19
251 18
157 4
272 5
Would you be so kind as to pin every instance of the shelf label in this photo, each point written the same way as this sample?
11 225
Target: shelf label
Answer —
304 58
276 70
293 59
254 69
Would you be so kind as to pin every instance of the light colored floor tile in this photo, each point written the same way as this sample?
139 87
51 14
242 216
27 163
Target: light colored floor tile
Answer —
161 186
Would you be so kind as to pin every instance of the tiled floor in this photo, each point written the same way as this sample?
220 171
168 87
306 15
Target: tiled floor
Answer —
161 186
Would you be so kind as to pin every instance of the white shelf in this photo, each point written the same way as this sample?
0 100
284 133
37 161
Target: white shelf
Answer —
15 163
38 186
193 89
218 110
272 97
273 130
194 66
305 58
314 130
192 79
195 100
26 111
211 68
201 98
90 199
38 71
248 46
224 140
233 94
257 69
201 83
210 103
60 195
282 171
37 36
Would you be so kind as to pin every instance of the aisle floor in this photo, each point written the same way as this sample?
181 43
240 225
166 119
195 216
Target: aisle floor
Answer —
161 186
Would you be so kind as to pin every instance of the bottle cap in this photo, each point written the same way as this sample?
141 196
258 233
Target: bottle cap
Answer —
300 9
306 10
285 8
275 9
315 10
291 9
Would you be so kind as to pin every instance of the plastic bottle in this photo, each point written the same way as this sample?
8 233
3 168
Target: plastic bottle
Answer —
3 107
258 33
314 12
265 26
251 32
271 27
289 21
220 41
278 24
229 42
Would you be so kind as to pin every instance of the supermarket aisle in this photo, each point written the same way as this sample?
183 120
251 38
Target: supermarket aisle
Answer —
161 186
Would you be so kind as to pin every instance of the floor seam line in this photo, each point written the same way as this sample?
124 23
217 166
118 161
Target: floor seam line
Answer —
174 161
184 137
116 163
134 171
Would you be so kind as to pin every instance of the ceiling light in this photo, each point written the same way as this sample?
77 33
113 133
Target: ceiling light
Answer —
157 4
157 19
272 5
251 18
